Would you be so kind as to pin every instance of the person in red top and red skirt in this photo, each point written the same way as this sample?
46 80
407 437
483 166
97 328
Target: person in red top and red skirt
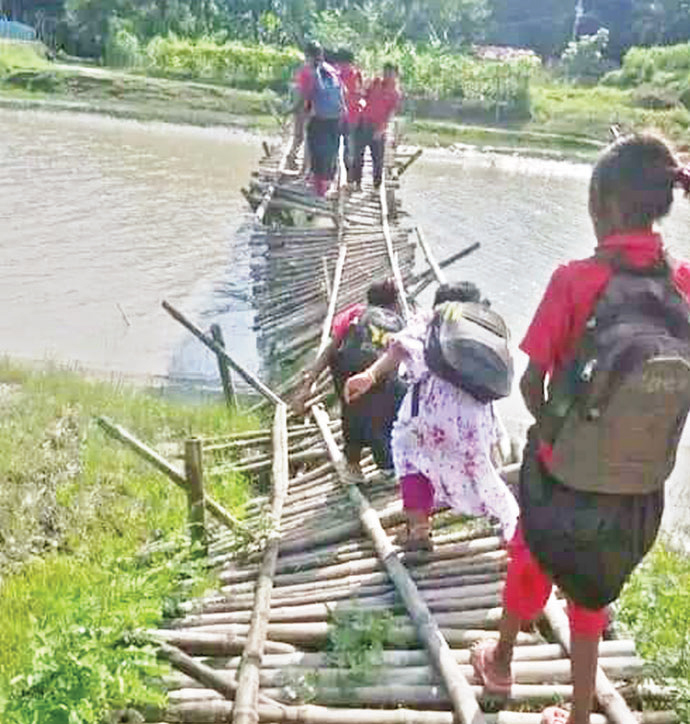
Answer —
381 101
587 542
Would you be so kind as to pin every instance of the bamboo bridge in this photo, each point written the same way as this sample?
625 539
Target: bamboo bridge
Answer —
319 617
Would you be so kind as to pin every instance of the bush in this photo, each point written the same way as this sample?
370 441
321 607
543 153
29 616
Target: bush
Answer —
658 65
122 50
253 67
583 59
654 97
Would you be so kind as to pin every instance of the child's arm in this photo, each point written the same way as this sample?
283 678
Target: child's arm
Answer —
361 383
532 388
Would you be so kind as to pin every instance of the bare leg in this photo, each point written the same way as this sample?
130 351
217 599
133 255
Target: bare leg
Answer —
502 657
583 662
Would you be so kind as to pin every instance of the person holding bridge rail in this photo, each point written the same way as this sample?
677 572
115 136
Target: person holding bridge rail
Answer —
445 436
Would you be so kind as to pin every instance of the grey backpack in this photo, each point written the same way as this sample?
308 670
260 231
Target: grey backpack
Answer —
616 412
467 345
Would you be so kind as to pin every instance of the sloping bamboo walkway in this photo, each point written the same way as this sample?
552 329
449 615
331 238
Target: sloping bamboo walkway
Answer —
323 559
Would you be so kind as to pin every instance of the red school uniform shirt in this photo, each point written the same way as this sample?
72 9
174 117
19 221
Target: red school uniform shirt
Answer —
351 78
559 322
382 99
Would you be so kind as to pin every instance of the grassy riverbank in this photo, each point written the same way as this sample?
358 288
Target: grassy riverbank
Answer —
566 120
92 542
92 549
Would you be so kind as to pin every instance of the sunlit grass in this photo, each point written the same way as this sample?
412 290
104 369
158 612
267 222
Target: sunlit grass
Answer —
92 541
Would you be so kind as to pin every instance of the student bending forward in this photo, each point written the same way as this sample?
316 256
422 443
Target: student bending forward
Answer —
442 437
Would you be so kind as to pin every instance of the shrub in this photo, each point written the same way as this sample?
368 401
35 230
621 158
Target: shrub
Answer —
122 49
584 58
654 97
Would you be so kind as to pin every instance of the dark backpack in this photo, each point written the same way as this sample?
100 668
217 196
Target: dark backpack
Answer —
616 412
366 340
328 94
467 345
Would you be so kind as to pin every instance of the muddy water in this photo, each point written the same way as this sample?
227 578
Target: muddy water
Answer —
102 219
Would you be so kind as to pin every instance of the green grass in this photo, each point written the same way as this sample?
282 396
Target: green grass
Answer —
16 55
655 607
92 542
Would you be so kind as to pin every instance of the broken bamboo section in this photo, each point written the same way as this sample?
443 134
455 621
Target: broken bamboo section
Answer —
248 685
215 347
462 697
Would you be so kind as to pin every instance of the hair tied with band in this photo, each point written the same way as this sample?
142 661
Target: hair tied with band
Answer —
682 178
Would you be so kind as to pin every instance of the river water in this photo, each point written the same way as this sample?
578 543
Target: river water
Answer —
102 219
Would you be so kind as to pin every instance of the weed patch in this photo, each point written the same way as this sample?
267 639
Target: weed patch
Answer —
655 607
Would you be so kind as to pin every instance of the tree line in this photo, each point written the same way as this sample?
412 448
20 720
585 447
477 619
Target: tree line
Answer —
83 26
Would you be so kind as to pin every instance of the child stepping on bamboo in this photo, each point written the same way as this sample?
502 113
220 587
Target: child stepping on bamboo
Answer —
612 334
443 435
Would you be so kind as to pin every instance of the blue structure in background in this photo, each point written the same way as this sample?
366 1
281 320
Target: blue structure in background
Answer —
12 30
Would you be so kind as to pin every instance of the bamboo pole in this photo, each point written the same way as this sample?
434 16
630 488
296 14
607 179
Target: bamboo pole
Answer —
248 684
215 712
195 492
402 297
221 353
337 276
158 461
431 260
225 375
463 700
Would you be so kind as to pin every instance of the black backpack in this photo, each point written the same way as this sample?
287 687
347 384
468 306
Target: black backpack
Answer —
467 345
615 413
366 340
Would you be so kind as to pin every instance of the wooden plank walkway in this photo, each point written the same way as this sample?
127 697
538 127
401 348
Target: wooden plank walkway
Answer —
326 565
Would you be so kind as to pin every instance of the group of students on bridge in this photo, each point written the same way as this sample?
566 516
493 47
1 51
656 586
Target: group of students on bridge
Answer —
333 103
608 385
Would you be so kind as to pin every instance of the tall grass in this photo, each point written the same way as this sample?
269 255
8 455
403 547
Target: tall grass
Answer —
92 544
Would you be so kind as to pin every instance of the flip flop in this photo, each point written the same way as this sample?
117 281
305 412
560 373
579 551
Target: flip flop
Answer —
555 715
479 658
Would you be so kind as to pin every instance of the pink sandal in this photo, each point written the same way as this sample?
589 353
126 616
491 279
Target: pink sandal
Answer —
481 658
555 715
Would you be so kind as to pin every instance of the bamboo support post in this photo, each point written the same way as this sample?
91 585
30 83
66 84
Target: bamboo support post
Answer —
158 461
225 375
195 491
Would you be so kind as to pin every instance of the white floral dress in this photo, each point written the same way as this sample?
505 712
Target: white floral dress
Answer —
449 440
